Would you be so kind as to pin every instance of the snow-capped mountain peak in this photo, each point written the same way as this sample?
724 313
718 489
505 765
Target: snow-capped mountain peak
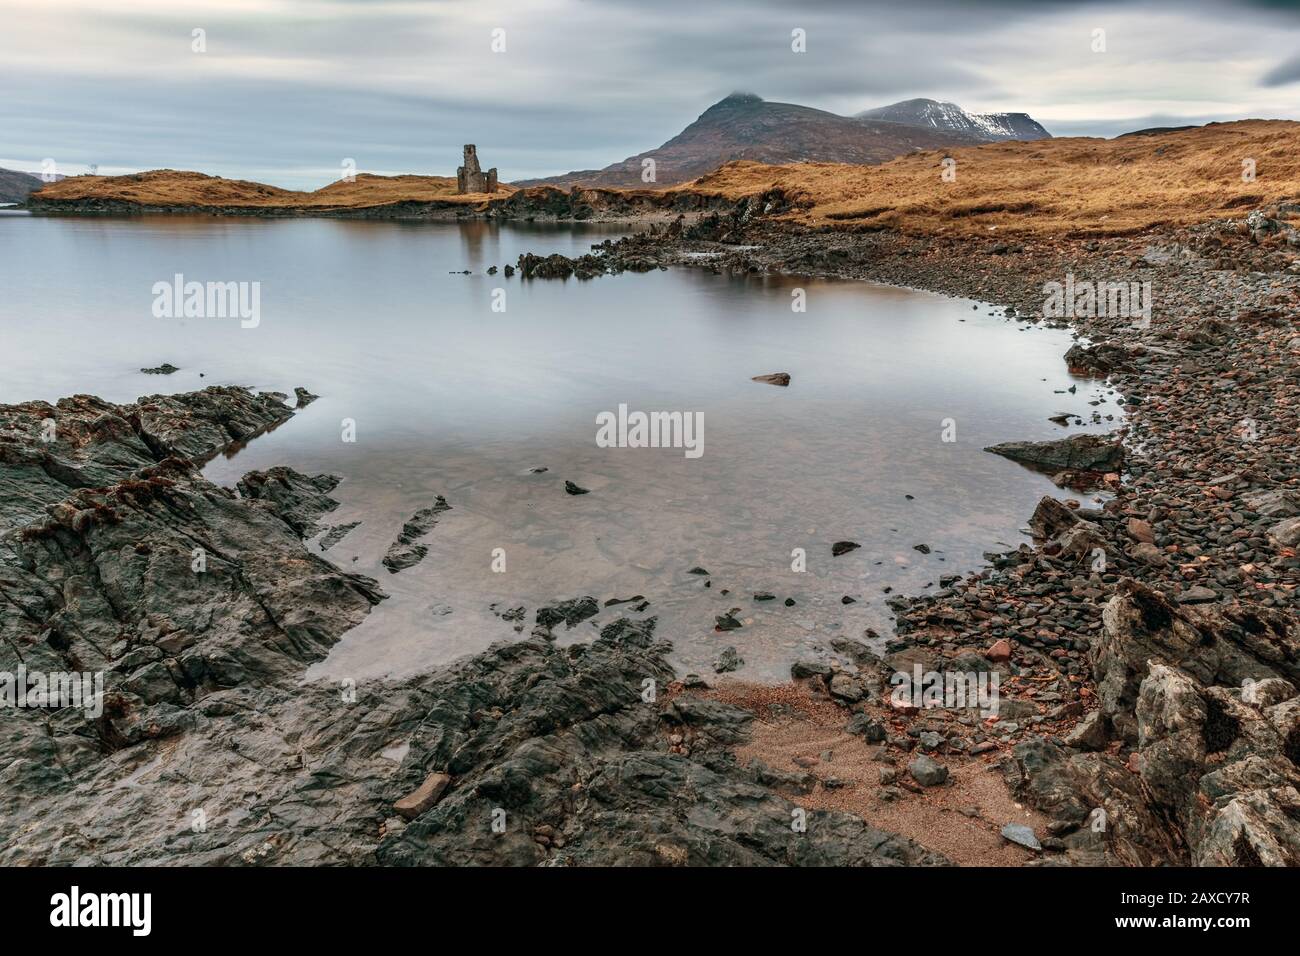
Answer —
949 117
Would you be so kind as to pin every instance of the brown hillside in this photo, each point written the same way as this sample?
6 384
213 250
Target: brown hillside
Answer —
169 187
1078 185
747 127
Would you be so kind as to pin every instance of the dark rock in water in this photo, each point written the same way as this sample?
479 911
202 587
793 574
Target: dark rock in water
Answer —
627 631
558 266
513 616
573 489
775 378
729 660
538 470
1076 453
698 570
764 596
404 552
923 548
399 557
789 602
336 534
728 621
165 369
568 613
304 397
801 669
843 547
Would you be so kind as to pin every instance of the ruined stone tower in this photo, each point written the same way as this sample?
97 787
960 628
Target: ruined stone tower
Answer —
470 178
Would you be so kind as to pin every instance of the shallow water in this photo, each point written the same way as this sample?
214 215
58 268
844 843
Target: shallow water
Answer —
452 398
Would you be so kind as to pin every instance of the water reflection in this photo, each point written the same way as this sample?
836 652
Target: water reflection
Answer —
452 398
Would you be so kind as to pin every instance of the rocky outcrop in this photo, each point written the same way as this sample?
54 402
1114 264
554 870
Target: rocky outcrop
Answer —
404 552
201 608
1213 644
1077 453
1204 701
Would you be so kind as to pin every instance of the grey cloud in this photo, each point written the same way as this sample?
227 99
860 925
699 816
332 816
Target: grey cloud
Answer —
399 86
1284 73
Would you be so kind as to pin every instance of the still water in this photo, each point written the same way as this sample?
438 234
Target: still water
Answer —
456 388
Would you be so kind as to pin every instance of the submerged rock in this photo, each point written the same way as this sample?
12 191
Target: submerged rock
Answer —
404 552
568 613
336 534
729 660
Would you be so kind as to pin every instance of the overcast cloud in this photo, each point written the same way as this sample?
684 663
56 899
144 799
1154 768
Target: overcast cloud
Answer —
288 89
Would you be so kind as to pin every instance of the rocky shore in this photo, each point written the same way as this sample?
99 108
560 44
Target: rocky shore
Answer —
1147 643
202 608
538 203
1149 648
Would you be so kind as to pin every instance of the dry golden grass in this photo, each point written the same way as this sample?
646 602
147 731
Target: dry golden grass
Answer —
1071 186
1060 186
169 187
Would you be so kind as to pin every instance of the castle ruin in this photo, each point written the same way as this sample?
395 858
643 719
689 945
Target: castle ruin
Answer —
470 178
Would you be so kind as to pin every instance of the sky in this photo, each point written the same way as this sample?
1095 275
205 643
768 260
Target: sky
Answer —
287 91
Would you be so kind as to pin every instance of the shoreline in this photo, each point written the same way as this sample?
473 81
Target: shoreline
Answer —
1093 682
1226 322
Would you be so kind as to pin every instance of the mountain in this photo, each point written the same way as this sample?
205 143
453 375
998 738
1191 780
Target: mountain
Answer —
14 186
935 115
745 126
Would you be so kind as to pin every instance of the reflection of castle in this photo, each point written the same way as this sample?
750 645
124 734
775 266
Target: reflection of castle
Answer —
471 179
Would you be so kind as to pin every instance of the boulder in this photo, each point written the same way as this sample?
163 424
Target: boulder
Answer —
1098 453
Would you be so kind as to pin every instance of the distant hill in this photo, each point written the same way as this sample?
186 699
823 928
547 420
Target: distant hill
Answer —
745 126
1059 187
170 188
15 186
949 117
